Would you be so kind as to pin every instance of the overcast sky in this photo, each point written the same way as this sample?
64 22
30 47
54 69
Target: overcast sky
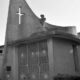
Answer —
58 12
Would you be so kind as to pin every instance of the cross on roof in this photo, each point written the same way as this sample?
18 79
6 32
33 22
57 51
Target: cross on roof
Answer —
20 14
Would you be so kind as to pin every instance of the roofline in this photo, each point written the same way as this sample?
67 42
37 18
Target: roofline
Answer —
1 46
46 35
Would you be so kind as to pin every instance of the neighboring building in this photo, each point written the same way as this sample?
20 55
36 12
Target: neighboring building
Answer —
1 49
36 50
1 57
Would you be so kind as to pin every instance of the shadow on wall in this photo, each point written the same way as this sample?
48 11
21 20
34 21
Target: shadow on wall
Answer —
66 77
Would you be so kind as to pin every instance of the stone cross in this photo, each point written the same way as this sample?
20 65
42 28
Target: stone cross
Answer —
20 15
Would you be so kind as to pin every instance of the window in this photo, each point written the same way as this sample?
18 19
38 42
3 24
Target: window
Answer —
8 68
1 51
33 60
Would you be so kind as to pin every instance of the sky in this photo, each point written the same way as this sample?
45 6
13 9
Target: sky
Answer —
57 12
